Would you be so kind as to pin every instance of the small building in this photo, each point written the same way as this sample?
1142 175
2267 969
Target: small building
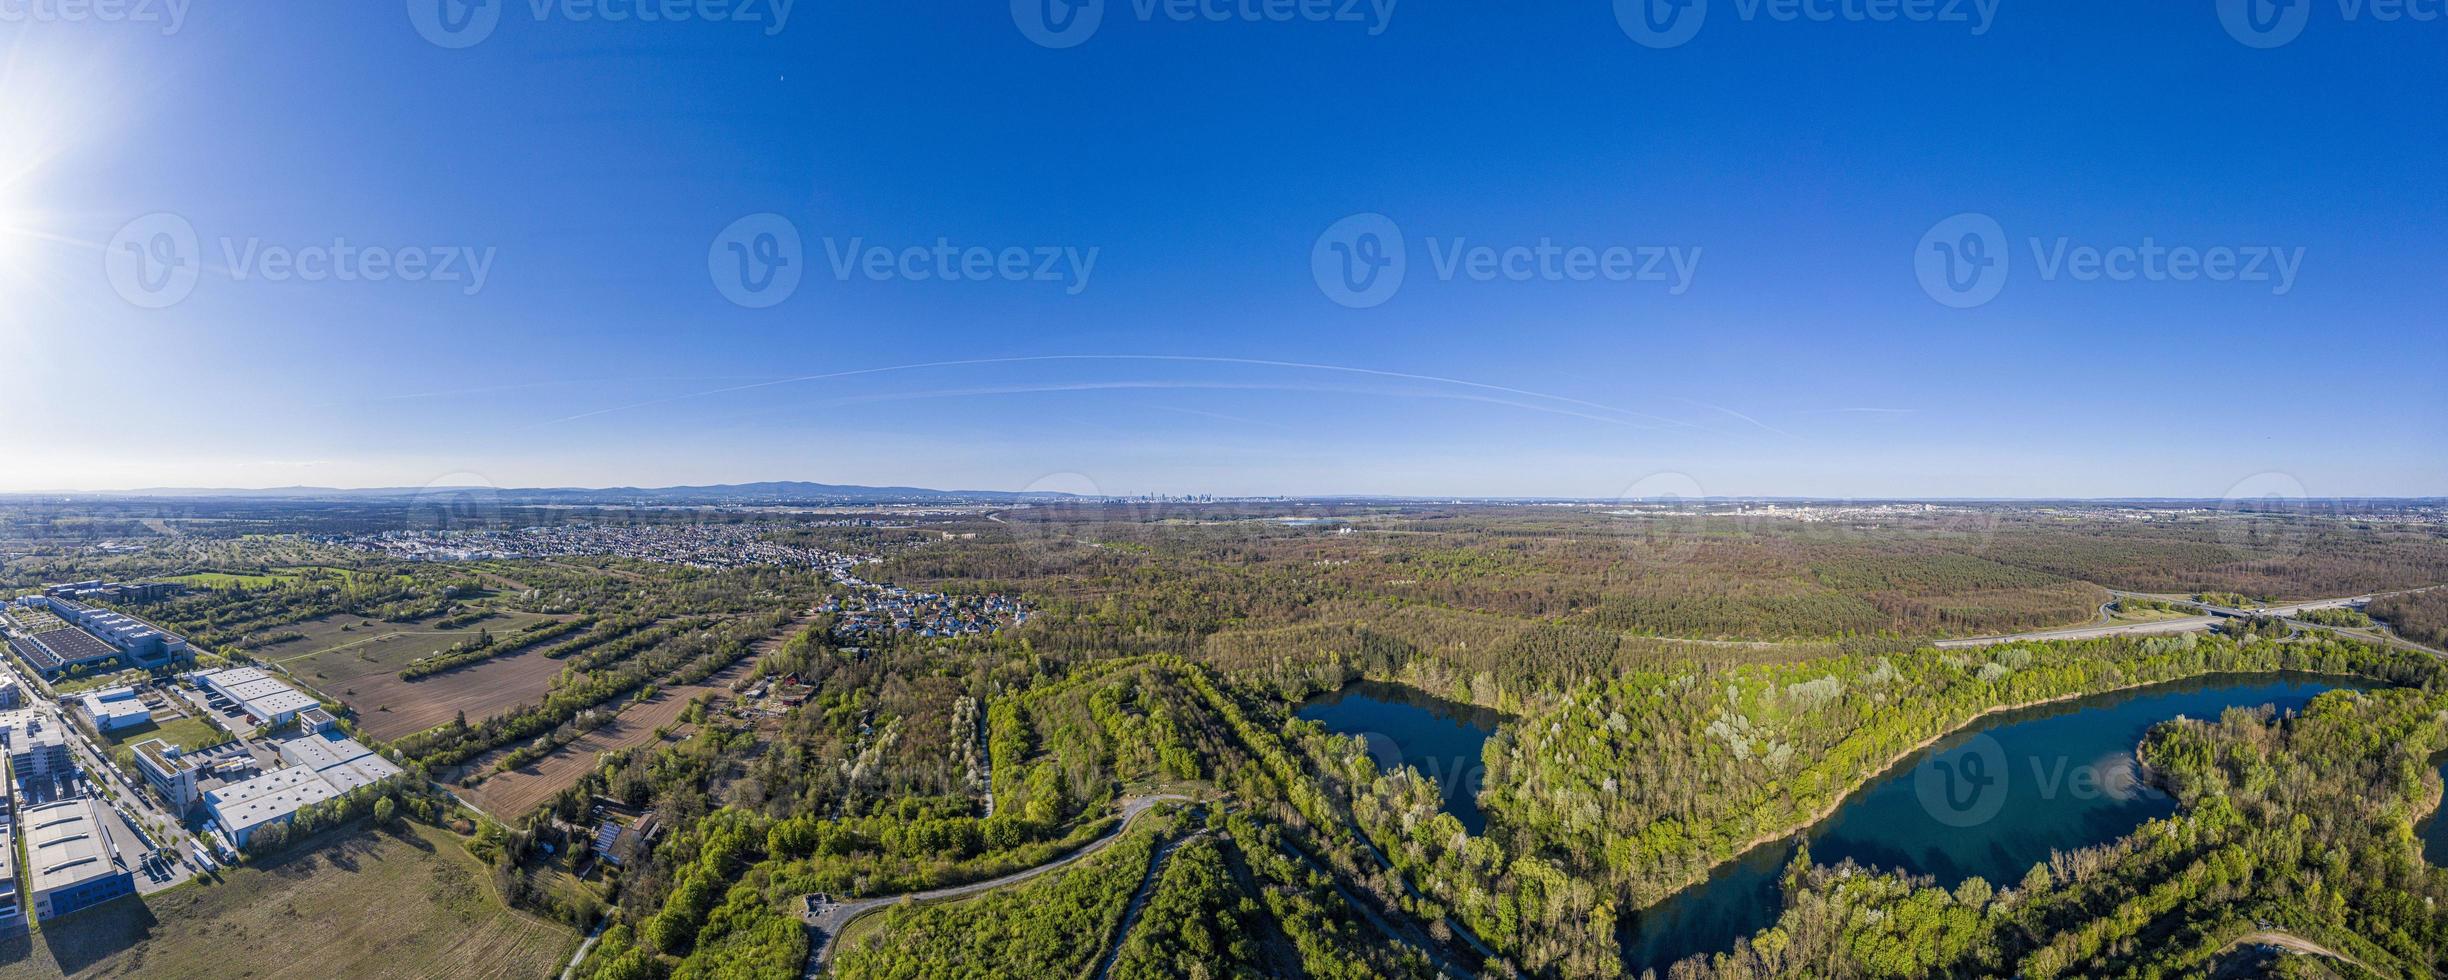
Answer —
316 721
70 861
112 709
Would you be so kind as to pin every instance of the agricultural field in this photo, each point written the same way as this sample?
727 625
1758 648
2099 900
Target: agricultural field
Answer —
358 661
521 790
410 902
388 707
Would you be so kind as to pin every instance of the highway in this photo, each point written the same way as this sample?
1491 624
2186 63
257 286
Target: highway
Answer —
2210 615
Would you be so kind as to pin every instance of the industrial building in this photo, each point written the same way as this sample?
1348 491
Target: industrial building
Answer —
100 591
37 747
115 708
171 773
265 699
343 762
53 634
272 798
70 862
321 768
12 908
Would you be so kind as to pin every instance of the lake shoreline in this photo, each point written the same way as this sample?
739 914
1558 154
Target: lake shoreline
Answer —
1893 762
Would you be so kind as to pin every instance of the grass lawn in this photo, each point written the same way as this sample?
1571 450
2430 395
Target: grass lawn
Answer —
354 903
186 733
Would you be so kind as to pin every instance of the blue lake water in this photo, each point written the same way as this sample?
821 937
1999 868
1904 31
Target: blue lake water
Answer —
1990 801
2435 831
1406 726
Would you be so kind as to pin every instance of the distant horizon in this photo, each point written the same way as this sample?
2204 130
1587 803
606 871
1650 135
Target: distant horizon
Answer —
174 491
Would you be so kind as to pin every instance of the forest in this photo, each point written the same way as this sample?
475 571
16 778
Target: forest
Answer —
1676 688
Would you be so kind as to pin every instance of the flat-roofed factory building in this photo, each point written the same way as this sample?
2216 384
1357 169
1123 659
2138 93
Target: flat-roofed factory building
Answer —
321 767
53 634
112 709
12 906
265 699
70 862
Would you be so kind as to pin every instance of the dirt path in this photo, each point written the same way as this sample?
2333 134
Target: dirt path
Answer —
2298 945
830 922
1138 902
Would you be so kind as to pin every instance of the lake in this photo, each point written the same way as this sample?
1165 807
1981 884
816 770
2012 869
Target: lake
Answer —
2435 830
1991 800
1406 726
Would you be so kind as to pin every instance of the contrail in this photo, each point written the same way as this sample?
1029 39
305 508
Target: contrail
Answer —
1169 385
1174 358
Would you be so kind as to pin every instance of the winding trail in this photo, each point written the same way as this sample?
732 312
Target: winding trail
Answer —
2298 945
832 919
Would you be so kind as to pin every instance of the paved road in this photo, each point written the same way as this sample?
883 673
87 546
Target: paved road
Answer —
2211 615
829 923
2185 625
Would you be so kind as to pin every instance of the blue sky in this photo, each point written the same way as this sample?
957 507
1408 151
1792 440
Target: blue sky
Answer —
1798 169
